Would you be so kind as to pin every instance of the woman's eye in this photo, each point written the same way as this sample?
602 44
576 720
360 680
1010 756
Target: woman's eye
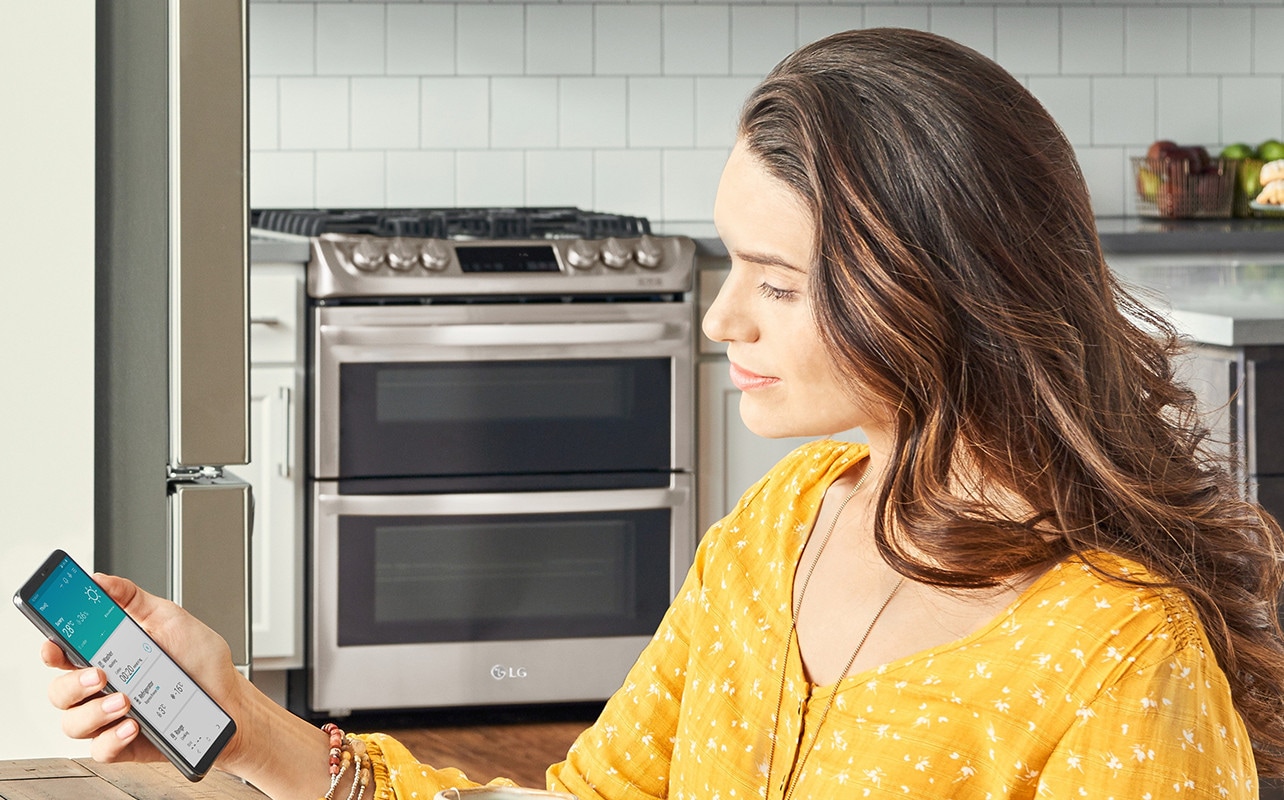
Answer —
772 293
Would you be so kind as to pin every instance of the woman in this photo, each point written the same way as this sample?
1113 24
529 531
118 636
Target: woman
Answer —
1032 582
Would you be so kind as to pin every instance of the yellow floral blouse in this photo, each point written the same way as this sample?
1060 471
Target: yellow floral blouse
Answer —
1083 687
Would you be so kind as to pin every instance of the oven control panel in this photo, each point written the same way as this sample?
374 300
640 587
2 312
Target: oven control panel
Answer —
347 265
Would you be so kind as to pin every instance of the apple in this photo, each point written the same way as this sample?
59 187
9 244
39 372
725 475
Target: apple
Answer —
1198 158
1160 150
1270 150
1237 151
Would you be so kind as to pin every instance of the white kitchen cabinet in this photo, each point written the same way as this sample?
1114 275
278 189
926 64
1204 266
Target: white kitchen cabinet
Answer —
275 470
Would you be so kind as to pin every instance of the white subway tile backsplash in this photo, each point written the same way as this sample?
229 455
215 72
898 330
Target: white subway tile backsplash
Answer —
628 182
1252 108
884 16
969 25
385 113
489 178
263 114
1218 38
592 112
1186 110
559 178
1069 101
282 180
1108 174
626 40
350 39
1123 111
490 39
1156 40
1092 41
421 39
661 112
314 113
760 37
559 39
350 179
454 112
631 106
1026 40
817 22
523 112
1268 42
284 39
691 182
420 178
696 39
718 102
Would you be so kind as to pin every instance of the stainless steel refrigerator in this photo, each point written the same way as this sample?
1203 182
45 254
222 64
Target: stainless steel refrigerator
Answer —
172 341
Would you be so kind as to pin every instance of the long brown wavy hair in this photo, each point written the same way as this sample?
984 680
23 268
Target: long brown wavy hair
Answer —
958 276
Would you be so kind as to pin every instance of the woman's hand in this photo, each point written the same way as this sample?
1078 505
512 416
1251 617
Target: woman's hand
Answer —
200 651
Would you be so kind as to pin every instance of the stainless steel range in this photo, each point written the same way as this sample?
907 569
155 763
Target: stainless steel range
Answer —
502 448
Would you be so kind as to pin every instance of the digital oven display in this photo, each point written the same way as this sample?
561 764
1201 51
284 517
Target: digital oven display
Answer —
507 259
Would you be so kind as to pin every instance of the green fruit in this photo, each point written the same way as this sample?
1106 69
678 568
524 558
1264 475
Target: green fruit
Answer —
1250 177
1270 150
1237 151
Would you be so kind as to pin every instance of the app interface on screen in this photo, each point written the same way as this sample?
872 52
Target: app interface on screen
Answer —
99 630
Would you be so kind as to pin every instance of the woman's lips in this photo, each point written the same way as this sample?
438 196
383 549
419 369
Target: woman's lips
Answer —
744 380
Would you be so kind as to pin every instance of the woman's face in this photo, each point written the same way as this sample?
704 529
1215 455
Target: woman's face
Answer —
790 386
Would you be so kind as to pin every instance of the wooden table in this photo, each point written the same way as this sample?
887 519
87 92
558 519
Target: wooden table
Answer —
86 779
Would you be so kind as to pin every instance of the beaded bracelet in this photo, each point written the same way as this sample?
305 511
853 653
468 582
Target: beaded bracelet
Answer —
343 752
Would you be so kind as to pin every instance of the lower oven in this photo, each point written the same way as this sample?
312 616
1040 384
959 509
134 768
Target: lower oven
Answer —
502 497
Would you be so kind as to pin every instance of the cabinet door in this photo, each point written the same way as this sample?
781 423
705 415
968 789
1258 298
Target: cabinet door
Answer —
731 457
277 540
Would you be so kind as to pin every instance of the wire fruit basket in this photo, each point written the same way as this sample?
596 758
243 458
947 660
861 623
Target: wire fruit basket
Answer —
1170 190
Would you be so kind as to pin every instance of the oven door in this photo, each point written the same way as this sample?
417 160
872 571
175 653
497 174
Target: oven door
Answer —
480 599
469 396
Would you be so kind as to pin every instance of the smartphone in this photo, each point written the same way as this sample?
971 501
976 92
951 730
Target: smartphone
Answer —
93 630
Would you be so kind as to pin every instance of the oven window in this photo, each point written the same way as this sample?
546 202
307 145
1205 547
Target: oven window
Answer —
502 577
504 417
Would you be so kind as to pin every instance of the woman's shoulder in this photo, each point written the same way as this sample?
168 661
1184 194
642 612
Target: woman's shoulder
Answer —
812 465
1116 608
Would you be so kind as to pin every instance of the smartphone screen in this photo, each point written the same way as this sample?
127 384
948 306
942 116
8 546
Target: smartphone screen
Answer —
184 721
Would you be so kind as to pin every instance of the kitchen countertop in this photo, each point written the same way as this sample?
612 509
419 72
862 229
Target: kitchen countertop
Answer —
270 246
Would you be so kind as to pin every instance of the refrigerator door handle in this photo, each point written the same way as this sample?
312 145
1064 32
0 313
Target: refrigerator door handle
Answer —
209 234
210 578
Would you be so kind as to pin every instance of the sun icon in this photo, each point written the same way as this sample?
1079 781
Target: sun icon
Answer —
92 594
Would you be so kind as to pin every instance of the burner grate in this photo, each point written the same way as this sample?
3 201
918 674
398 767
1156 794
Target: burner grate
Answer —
454 223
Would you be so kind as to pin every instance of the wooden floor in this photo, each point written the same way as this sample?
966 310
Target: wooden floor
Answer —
517 742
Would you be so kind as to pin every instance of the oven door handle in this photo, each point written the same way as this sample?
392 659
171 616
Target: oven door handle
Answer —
516 334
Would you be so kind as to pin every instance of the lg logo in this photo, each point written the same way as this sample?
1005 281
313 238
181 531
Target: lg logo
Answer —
499 672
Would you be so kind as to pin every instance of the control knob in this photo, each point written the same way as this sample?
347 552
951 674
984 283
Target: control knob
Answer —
368 255
582 254
650 253
435 255
616 254
402 255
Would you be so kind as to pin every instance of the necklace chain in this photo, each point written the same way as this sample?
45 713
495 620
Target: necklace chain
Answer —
789 640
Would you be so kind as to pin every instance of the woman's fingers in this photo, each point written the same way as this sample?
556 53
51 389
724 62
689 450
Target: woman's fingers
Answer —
75 686
53 656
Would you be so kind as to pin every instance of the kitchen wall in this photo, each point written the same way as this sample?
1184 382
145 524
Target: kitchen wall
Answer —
630 107
47 429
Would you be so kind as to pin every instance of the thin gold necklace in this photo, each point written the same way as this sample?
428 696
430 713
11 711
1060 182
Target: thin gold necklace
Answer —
788 791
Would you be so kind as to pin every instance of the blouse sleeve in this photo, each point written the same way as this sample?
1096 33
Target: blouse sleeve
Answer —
625 754
1166 730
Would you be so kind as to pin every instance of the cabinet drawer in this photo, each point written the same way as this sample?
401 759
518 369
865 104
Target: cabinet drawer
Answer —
276 312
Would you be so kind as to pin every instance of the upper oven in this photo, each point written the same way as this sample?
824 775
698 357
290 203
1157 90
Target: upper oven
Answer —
501 397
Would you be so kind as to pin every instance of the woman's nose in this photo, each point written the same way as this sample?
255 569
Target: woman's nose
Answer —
725 320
